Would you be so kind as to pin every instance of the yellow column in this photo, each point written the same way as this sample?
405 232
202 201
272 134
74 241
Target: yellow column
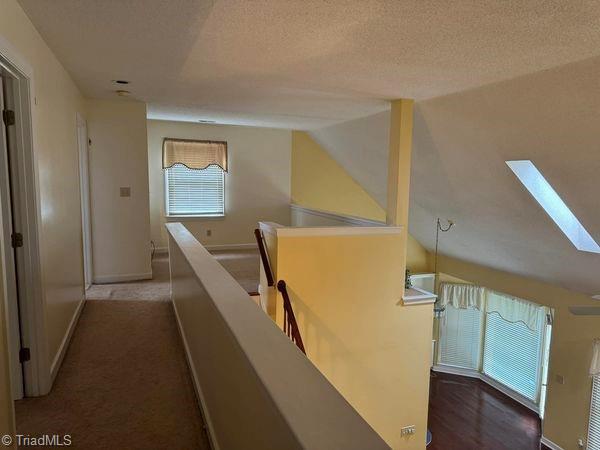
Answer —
400 150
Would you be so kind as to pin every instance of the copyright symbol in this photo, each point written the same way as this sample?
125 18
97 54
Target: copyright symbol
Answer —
6 440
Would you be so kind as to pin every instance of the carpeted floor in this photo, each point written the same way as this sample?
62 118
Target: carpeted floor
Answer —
124 383
157 289
243 265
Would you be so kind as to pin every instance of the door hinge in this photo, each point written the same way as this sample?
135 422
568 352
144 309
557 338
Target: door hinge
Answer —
16 240
24 354
8 116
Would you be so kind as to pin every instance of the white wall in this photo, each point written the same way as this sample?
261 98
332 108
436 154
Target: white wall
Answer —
257 186
57 100
119 158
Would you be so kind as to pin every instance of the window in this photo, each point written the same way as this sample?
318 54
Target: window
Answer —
594 431
512 355
192 192
555 207
503 340
460 338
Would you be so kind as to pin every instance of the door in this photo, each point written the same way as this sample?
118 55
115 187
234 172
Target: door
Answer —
12 241
84 184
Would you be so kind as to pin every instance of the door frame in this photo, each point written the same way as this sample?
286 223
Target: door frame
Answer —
36 371
84 185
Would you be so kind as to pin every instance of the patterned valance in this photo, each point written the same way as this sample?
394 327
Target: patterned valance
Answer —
194 154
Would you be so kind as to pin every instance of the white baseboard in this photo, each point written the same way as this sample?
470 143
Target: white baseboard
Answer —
456 371
231 247
199 395
106 279
64 345
548 443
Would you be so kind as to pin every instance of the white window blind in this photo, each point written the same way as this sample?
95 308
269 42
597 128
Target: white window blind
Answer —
594 430
195 192
512 355
460 338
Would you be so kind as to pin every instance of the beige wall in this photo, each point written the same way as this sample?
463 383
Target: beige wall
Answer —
119 158
7 416
568 405
257 186
57 100
346 295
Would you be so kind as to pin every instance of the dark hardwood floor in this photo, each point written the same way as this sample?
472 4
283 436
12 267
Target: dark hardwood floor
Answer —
467 414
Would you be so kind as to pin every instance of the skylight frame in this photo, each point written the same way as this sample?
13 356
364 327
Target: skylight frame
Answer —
543 192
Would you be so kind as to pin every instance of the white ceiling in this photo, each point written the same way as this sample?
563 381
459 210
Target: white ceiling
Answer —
306 64
461 143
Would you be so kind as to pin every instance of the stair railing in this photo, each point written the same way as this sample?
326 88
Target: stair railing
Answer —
290 326
260 240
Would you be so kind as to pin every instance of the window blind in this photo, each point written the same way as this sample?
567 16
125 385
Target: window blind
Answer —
594 430
512 355
195 192
460 338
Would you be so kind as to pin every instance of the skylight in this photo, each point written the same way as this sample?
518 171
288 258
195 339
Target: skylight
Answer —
548 199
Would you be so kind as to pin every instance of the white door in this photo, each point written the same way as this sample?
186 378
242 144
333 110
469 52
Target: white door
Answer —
84 183
11 226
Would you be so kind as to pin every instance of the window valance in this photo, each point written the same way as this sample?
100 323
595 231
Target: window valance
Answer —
511 309
514 309
462 296
595 367
194 154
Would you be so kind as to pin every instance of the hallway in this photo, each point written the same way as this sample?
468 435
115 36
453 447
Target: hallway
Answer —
125 371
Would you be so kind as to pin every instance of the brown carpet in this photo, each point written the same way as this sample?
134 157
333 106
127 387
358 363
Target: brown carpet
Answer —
124 383
243 265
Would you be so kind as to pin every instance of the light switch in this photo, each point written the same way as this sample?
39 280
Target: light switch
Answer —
559 379
126 191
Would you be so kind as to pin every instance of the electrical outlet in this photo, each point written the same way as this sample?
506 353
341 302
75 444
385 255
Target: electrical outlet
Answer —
125 191
407 431
559 379
209 232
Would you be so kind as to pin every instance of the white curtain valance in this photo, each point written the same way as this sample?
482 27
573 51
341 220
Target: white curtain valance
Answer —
514 309
194 154
595 367
462 296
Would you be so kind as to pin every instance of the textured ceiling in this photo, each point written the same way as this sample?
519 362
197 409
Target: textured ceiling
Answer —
306 64
461 143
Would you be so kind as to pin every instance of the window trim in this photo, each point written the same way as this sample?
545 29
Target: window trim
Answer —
595 385
190 216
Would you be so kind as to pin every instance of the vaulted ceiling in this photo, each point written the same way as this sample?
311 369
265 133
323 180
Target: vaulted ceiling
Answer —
461 143
306 64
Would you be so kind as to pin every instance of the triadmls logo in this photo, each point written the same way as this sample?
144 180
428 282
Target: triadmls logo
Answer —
45 440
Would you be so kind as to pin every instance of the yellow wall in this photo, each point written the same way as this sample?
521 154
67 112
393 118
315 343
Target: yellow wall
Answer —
55 146
568 405
319 182
346 295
